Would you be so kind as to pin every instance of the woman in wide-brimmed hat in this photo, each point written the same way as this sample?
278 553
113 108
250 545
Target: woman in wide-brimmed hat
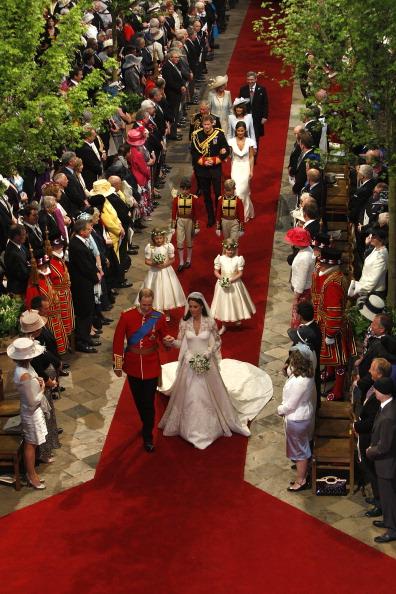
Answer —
140 162
220 103
31 392
302 269
240 115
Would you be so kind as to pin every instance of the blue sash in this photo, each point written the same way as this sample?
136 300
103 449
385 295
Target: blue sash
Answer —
145 329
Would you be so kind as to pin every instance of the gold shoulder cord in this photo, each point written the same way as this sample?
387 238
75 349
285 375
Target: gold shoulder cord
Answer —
203 147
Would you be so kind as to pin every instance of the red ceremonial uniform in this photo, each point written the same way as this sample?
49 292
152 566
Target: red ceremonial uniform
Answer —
54 321
230 209
146 363
332 319
61 284
316 287
185 206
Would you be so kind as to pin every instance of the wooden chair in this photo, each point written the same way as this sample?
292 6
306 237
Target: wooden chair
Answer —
14 431
333 454
336 428
10 407
335 410
10 453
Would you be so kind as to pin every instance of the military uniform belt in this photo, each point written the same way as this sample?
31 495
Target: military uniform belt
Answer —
138 351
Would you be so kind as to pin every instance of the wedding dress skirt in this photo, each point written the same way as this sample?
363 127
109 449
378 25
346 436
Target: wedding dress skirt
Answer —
213 404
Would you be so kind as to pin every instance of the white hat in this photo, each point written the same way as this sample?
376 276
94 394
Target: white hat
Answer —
154 7
31 321
240 101
147 103
4 181
218 81
373 307
154 22
107 43
156 34
88 17
24 348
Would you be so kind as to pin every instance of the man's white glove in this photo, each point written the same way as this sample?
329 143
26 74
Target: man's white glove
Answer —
241 233
218 232
329 341
196 231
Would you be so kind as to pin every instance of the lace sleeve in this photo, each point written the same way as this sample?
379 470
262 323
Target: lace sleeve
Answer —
181 333
214 347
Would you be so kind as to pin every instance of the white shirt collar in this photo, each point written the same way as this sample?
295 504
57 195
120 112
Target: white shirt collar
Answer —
383 404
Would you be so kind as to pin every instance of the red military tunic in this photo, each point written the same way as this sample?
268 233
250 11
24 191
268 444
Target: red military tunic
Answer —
55 323
332 319
316 287
61 284
230 208
185 206
144 365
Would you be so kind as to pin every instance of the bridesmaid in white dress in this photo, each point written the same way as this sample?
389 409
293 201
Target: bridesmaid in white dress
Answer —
206 406
161 278
231 300
240 115
220 103
242 164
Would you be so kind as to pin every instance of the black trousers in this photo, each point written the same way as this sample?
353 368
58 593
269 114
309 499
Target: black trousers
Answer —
83 330
143 392
206 183
387 491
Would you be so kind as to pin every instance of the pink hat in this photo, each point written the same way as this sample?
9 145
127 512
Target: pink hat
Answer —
136 136
298 236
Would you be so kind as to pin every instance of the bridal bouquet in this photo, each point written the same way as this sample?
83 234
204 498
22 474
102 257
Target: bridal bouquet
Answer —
225 282
199 364
158 259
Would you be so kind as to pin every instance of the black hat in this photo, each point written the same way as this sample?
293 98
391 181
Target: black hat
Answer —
379 232
384 385
303 334
322 240
330 256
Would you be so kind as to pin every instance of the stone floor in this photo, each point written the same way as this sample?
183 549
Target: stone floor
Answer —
86 409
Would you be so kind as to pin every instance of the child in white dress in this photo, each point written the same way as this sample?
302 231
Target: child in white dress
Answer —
159 255
231 300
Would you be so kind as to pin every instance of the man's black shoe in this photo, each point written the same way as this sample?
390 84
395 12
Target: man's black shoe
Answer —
370 500
60 430
65 365
379 523
132 252
134 246
384 538
106 321
149 447
94 342
376 512
124 285
86 349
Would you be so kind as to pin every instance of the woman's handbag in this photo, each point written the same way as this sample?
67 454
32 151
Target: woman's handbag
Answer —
331 485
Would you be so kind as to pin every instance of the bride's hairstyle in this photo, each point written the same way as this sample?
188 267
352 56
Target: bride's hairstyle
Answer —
240 125
201 303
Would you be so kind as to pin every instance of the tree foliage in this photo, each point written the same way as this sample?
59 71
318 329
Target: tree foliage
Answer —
356 41
36 120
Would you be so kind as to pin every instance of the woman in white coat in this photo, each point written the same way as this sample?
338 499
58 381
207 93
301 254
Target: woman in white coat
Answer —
240 115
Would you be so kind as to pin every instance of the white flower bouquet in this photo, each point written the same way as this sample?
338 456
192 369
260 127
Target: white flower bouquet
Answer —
199 364
225 282
158 258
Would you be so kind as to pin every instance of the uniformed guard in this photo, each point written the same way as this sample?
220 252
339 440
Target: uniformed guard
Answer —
143 328
185 221
209 148
229 213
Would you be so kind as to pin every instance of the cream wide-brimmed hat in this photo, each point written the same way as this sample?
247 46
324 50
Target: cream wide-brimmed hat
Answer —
155 33
218 81
103 187
240 101
23 349
31 321
107 43
373 307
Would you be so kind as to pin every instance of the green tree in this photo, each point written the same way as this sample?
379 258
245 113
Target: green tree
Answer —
36 120
358 40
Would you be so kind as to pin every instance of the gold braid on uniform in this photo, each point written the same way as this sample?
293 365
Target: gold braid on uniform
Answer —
203 147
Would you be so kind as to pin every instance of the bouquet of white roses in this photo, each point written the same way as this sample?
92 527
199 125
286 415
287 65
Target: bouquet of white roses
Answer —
199 364
158 258
225 282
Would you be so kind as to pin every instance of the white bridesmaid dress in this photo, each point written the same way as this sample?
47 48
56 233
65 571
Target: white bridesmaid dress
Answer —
233 303
240 171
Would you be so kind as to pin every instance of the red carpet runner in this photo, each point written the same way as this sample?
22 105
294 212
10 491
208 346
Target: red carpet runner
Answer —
183 521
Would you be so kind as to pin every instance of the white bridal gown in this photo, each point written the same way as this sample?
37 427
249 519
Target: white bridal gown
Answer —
240 171
216 403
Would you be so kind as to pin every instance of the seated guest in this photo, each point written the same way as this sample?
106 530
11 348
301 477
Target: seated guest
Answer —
16 261
375 267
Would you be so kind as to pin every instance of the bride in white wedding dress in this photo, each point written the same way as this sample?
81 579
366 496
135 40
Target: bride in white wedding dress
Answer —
217 402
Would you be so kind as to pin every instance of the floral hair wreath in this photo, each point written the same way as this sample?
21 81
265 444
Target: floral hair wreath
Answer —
233 244
158 233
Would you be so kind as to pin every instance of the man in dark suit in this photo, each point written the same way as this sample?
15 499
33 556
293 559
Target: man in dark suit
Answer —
300 178
16 262
380 327
83 275
91 157
6 214
66 200
175 88
311 217
34 235
47 221
258 106
314 187
359 202
73 190
382 451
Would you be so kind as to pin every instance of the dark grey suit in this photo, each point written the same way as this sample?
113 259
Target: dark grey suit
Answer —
383 451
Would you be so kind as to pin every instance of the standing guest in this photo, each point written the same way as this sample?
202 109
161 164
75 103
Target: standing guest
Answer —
47 221
74 189
159 255
305 311
84 275
92 157
258 106
209 149
305 141
240 115
230 215
40 285
68 206
302 269
16 261
382 451
219 99
231 300
311 217
298 412
60 280
34 236
294 154
242 164
196 120
139 167
142 328
375 267
185 221
63 221
314 186
31 392
175 88
7 217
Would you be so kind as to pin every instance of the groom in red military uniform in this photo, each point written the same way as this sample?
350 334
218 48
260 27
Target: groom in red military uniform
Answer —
143 328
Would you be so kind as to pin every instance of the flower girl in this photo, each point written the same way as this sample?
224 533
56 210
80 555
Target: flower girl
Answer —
159 255
231 300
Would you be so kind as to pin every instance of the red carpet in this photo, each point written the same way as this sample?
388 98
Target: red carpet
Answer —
183 521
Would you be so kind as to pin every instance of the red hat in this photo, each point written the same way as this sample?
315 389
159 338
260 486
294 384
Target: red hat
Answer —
298 236
136 136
